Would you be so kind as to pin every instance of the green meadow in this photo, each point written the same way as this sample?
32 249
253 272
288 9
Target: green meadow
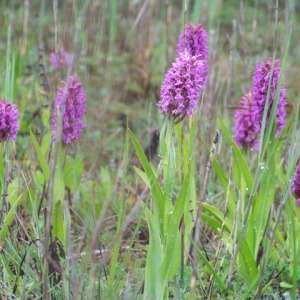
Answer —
141 204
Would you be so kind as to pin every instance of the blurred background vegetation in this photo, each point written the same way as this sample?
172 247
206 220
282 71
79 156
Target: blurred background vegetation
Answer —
124 49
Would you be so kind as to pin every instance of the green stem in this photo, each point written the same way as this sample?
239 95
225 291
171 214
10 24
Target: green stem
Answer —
2 179
169 168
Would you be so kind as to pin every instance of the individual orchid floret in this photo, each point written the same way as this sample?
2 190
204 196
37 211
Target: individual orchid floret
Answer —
60 60
245 129
259 91
9 124
70 102
182 84
194 41
296 186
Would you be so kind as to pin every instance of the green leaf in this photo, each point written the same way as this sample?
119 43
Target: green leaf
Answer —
58 225
45 146
189 143
9 218
170 174
106 182
261 208
14 201
72 172
285 285
246 261
143 176
294 245
214 223
58 198
59 184
107 186
44 165
178 128
168 187
219 215
190 207
92 196
225 182
245 258
242 166
170 252
46 117
157 194
153 285
219 280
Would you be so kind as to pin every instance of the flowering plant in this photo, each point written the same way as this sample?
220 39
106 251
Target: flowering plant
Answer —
71 102
60 59
9 124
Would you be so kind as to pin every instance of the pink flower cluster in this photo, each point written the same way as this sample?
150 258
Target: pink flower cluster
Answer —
248 119
296 186
187 77
9 124
246 132
194 41
60 60
181 86
70 102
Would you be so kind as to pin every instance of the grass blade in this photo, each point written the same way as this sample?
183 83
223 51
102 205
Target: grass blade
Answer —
44 165
157 194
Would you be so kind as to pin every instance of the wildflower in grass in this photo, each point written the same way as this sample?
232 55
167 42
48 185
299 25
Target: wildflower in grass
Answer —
194 41
259 94
250 117
246 132
182 84
71 102
9 124
296 186
60 59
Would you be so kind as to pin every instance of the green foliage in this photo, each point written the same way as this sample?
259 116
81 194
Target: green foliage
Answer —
58 224
14 201
257 210
156 191
44 165
163 258
106 182
153 284
212 271
73 169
